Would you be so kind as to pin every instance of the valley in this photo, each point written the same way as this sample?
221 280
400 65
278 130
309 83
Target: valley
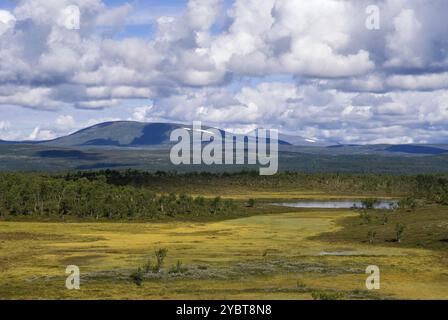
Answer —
260 251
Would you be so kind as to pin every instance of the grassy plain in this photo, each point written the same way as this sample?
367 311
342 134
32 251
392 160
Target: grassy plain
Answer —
289 254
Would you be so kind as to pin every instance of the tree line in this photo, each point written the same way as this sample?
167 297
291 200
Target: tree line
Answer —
47 195
432 188
341 182
112 194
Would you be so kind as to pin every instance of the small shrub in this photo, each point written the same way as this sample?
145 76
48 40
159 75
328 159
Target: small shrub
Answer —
371 235
300 284
321 295
369 204
178 268
137 277
251 203
148 267
399 231
160 257
408 203
365 217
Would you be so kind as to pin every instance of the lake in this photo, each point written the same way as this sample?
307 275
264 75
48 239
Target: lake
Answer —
339 204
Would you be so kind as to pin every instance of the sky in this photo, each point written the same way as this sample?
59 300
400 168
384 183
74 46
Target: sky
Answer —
364 71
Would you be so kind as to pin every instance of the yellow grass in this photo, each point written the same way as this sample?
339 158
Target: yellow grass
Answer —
33 258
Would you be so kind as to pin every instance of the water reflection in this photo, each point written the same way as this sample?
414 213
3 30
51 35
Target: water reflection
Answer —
340 204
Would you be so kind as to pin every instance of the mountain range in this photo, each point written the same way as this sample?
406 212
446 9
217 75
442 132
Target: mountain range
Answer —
126 144
130 134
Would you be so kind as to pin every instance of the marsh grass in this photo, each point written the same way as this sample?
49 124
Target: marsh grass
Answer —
224 259
178 268
426 227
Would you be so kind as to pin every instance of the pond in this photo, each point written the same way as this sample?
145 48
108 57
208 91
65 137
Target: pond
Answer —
339 204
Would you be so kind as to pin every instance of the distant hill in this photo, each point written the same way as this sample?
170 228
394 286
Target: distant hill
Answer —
417 149
4 142
396 150
111 134
119 134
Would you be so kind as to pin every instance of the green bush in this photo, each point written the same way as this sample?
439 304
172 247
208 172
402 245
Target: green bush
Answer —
399 231
137 277
369 204
322 295
251 203
408 203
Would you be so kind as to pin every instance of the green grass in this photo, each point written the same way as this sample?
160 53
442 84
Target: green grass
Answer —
425 227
